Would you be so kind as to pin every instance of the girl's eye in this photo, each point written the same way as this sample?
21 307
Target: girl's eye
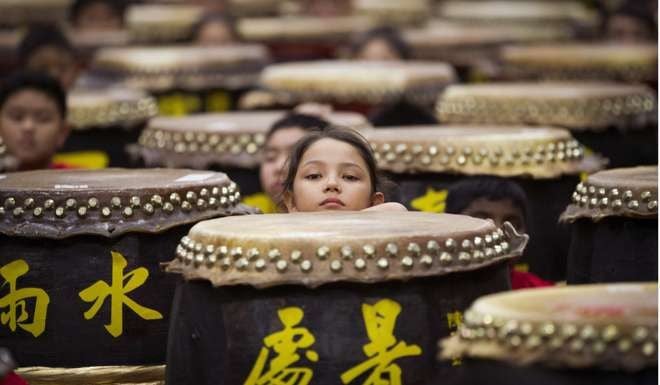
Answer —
312 176
351 178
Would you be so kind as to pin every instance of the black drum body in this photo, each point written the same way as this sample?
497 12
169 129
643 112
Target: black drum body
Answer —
614 249
547 199
112 141
344 332
87 300
623 148
498 373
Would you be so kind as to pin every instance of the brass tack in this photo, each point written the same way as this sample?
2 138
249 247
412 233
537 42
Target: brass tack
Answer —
18 211
28 203
407 262
92 203
602 192
157 200
242 263
200 204
432 246
610 333
225 263
236 252
82 211
392 249
548 329
627 195
106 212
533 342
464 257
360 264
38 211
336 266
382 263
369 250
515 341
213 202
296 255
461 160
648 349
198 247
186 206
624 345
223 251
260 264
274 254
488 239
614 192
477 255
346 252
224 202
175 198
445 258
281 265
199 259
209 249
168 207
576 345
148 208
204 193
593 202
414 249
426 260
135 202
59 211
466 244
191 196
588 332
323 252
604 203
646 196
568 330
49 204
599 347
633 204
652 205
640 334
71 203
591 189
10 202
306 266
115 202
617 204
215 190
252 253
450 244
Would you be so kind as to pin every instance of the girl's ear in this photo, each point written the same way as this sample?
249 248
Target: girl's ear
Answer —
289 203
377 198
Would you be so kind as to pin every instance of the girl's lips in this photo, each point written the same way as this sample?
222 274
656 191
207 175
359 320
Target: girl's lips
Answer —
332 202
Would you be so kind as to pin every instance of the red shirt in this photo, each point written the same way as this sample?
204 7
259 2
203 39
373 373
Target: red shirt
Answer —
523 280
12 379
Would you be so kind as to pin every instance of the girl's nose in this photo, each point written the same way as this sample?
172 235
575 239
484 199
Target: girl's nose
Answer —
331 184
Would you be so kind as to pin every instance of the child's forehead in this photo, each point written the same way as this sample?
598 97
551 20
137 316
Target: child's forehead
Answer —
30 94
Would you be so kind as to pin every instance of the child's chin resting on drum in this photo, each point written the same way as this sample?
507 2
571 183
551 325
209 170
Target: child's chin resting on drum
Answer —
334 169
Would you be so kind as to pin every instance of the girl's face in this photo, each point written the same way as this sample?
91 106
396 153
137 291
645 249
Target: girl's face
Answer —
332 176
276 152
499 211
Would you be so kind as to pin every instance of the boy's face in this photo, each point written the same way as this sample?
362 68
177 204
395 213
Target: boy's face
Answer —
499 211
275 154
379 50
58 63
98 16
32 128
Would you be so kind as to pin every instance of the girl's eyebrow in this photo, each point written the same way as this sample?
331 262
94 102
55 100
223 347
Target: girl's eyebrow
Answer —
342 164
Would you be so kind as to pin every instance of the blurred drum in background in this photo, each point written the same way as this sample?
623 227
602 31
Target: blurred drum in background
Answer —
614 221
184 79
389 93
328 297
162 23
616 120
302 37
80 261
230 142
394 12
546 162
106 121
586 334
19 13
582 61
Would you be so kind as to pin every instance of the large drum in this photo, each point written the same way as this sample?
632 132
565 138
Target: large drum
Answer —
302 37
106 121
390 93
616 120
80 251
545 162
184 79
473 49
162 23
19 13
394 12
595 61
230 142
587 334
566 14
328 298
614 221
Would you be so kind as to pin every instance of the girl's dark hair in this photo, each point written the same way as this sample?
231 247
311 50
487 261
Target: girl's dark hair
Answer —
461 194
31 80
386 33
304 121
40 35
341 134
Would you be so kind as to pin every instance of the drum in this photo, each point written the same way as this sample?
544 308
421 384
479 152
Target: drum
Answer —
405 90
184 79
230 142
545 162
594 61
614 222
107 120
162 23
81 282
302 37
392 12
616 120
568 14
586 334
473 49
20 13
328 298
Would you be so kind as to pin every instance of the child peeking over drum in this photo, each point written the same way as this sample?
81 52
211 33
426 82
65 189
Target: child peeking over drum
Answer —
334 169
33 123
500 200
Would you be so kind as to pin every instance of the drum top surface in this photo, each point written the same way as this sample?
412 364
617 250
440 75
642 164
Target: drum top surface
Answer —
481 134
531 10
315 248
544 91
643 177
584 54
83 181
267 29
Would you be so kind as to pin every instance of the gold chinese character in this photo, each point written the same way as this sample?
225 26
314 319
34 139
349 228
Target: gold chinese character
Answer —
285 343
16 300
454 320
432 202
117 291
384 349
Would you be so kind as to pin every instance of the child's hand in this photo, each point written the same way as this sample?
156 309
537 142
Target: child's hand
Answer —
389 206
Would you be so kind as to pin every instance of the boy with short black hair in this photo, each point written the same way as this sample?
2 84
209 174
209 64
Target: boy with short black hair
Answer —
498 199
97 15
33 123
